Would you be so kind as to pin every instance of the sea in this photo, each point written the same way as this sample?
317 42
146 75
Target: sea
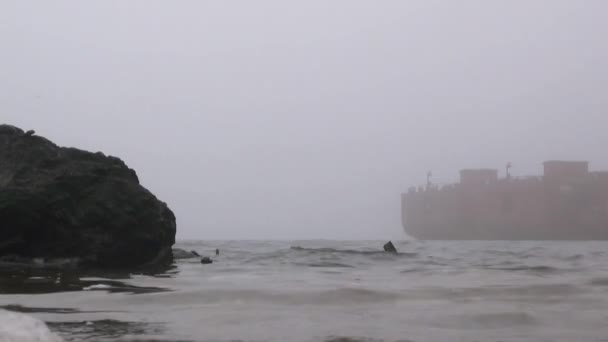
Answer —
338 291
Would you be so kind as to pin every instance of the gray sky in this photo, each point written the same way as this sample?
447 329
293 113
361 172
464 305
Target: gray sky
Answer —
306 119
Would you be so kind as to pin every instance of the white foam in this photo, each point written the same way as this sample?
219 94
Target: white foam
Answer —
17 327
97 287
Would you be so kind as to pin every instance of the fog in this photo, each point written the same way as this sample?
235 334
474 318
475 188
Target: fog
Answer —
307 119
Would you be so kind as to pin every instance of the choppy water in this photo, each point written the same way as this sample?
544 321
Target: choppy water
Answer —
337 291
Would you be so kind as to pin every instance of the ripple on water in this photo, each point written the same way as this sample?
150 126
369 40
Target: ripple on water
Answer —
106 329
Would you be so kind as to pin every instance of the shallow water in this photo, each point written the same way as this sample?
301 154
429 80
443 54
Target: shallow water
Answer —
336 291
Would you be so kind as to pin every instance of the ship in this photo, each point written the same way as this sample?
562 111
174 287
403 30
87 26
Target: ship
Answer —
568 202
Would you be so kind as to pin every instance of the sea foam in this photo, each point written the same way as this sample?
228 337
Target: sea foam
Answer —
17 327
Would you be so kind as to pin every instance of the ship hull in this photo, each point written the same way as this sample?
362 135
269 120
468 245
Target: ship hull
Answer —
501 232
548 208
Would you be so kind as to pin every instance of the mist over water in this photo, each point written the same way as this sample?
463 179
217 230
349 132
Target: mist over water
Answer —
343 291
265 120
284 120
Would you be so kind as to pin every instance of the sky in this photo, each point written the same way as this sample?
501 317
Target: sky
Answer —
307 119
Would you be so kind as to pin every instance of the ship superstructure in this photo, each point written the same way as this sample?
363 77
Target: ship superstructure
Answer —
568 202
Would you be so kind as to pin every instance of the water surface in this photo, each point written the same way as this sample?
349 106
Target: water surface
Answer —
336 291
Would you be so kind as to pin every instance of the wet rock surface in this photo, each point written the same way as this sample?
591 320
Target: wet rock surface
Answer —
67 208
390 248
179 253
206 260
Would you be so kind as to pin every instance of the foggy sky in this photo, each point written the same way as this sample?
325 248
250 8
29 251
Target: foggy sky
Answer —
307 119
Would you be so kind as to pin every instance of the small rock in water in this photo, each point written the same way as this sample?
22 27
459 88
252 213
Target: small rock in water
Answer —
206 260
390 248
179 253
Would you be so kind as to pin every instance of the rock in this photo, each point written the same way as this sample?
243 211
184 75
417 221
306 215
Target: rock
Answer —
179 253
390 248
8 129
60 203
206 260
16 262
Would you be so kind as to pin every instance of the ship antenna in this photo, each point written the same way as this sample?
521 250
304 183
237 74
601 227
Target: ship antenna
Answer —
509 165
428 179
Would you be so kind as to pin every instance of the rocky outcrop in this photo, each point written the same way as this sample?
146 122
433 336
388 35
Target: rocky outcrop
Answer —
58 203
179 253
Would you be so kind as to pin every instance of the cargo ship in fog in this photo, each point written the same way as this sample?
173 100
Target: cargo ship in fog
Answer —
568 202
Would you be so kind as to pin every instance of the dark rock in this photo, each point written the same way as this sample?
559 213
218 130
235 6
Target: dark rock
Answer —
15 262
65 203
206 260
179 253
8 129
390 248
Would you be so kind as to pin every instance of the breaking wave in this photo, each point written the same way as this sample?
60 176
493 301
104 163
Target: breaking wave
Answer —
18 327
338 251
326 250
524 268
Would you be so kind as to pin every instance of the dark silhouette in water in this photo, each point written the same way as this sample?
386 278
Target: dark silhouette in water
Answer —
179 253
217 251
390 248
206 260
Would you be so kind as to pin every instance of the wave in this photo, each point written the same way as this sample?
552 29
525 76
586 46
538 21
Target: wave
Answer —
352 339
490 320
339 296
16 327
541 293
507 253
574 257
358 339
504 319
600 281
524 268
106 329
335 250
350 251
324 264
324 257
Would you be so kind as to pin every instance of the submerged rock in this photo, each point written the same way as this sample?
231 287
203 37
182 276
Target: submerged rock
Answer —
390 248
60 203
179 253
